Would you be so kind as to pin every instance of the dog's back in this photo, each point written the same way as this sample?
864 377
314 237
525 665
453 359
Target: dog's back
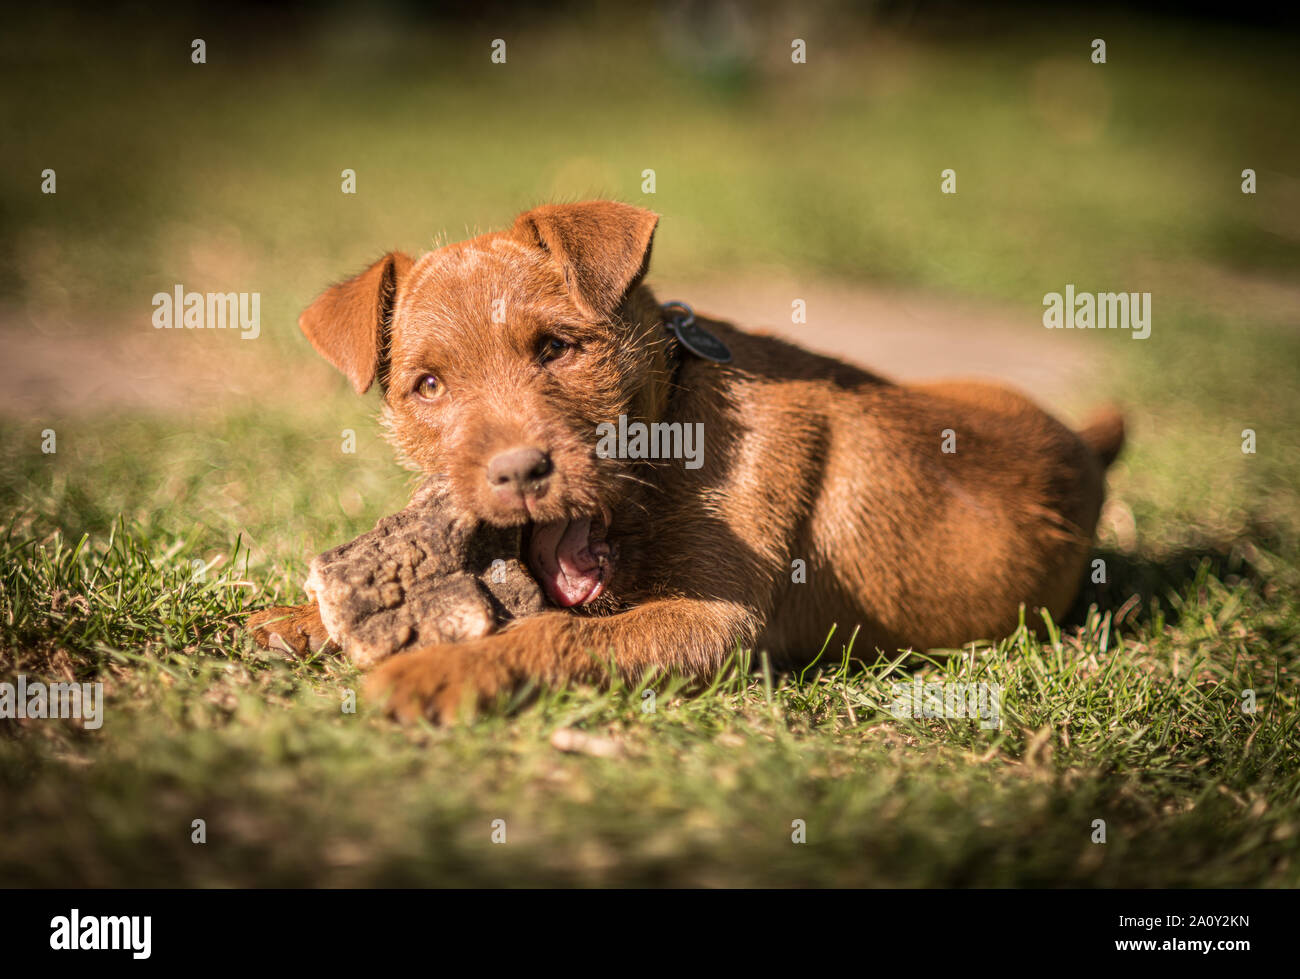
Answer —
933 511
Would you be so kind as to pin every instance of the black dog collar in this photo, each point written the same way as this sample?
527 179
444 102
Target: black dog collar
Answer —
680 320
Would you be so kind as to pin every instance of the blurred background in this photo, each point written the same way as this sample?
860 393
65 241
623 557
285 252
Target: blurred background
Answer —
775 179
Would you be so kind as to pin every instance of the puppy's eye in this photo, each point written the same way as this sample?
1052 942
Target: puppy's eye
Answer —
552 348
428 387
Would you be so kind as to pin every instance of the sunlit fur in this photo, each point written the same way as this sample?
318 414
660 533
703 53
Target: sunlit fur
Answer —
498 394
806 459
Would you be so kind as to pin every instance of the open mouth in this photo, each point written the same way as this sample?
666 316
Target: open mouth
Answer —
572 563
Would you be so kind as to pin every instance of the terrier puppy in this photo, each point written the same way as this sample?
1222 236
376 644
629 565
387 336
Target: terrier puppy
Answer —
536 370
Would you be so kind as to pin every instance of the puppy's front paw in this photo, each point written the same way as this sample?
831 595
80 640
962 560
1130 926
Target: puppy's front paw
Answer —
439 683
293 629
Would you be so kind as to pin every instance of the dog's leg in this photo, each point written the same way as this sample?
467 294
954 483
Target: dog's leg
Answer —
688 636
293 629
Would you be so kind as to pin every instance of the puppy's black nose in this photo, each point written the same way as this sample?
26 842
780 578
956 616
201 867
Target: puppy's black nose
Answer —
524 467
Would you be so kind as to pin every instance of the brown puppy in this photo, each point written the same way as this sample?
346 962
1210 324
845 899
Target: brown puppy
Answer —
813 492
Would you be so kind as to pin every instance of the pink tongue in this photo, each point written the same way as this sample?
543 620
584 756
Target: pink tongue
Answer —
560 554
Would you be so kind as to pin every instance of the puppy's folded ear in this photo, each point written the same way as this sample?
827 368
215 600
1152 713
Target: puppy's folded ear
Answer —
348 324
602 247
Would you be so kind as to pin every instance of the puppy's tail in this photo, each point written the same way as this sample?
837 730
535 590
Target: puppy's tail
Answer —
1104 434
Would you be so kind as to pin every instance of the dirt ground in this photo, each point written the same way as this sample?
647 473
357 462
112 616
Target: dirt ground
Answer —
60 372
908 335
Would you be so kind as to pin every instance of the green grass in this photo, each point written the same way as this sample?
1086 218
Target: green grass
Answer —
1140 726
1129 712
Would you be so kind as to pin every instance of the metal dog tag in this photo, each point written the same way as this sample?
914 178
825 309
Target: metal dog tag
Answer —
695 338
